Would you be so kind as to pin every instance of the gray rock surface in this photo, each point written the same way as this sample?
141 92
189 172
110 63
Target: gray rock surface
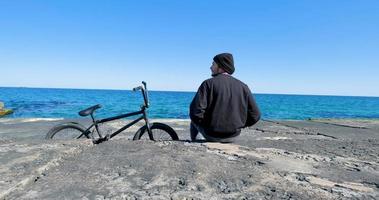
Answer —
315 159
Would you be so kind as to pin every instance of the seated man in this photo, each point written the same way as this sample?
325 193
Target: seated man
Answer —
223 104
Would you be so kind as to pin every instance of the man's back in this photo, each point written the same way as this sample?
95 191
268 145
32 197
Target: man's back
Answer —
222 106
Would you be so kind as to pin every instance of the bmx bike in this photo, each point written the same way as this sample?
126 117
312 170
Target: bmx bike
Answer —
75 130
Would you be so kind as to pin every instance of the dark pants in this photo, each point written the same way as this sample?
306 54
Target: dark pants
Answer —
196 129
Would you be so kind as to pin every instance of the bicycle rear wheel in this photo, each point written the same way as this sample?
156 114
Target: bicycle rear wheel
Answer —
160 132
66 131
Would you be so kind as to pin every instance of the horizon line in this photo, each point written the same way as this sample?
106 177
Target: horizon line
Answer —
260 93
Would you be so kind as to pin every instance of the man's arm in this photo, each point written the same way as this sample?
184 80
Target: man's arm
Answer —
253 113
199 105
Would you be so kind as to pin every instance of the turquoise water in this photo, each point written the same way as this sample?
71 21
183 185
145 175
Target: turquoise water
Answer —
58 103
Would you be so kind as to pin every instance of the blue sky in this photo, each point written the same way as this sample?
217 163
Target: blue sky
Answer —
326 47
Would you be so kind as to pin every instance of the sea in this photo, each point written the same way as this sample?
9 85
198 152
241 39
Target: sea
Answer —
66 103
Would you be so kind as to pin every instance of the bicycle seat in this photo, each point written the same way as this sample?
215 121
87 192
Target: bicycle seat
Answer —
89 111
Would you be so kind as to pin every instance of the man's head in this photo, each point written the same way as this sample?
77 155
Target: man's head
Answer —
223 63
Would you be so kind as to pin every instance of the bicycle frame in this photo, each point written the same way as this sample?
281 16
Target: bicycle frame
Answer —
141 112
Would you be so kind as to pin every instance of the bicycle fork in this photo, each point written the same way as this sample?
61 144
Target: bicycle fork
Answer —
148 125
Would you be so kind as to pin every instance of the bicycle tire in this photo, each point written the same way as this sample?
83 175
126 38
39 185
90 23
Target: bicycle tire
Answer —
155 127
57 132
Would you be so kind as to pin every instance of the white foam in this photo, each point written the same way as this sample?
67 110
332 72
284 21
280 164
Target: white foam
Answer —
22 120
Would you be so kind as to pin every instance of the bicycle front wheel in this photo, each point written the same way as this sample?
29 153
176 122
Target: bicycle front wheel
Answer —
66 131
160 132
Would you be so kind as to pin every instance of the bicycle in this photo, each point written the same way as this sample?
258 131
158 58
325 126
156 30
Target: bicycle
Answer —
76 130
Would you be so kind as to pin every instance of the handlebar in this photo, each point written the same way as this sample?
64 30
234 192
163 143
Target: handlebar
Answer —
144 93
137 88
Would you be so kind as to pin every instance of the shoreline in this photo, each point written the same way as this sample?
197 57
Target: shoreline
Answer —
176 119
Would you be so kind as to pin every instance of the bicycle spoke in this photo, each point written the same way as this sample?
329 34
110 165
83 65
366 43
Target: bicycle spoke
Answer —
161 135
158 135
161 132
68 133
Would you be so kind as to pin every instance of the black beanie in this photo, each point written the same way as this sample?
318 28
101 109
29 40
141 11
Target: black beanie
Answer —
225 61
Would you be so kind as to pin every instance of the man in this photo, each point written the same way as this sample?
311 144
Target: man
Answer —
223 105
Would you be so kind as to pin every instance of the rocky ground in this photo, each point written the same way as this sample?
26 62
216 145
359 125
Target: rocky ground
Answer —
314 159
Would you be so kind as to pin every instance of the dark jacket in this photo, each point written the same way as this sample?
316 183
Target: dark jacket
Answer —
223 105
